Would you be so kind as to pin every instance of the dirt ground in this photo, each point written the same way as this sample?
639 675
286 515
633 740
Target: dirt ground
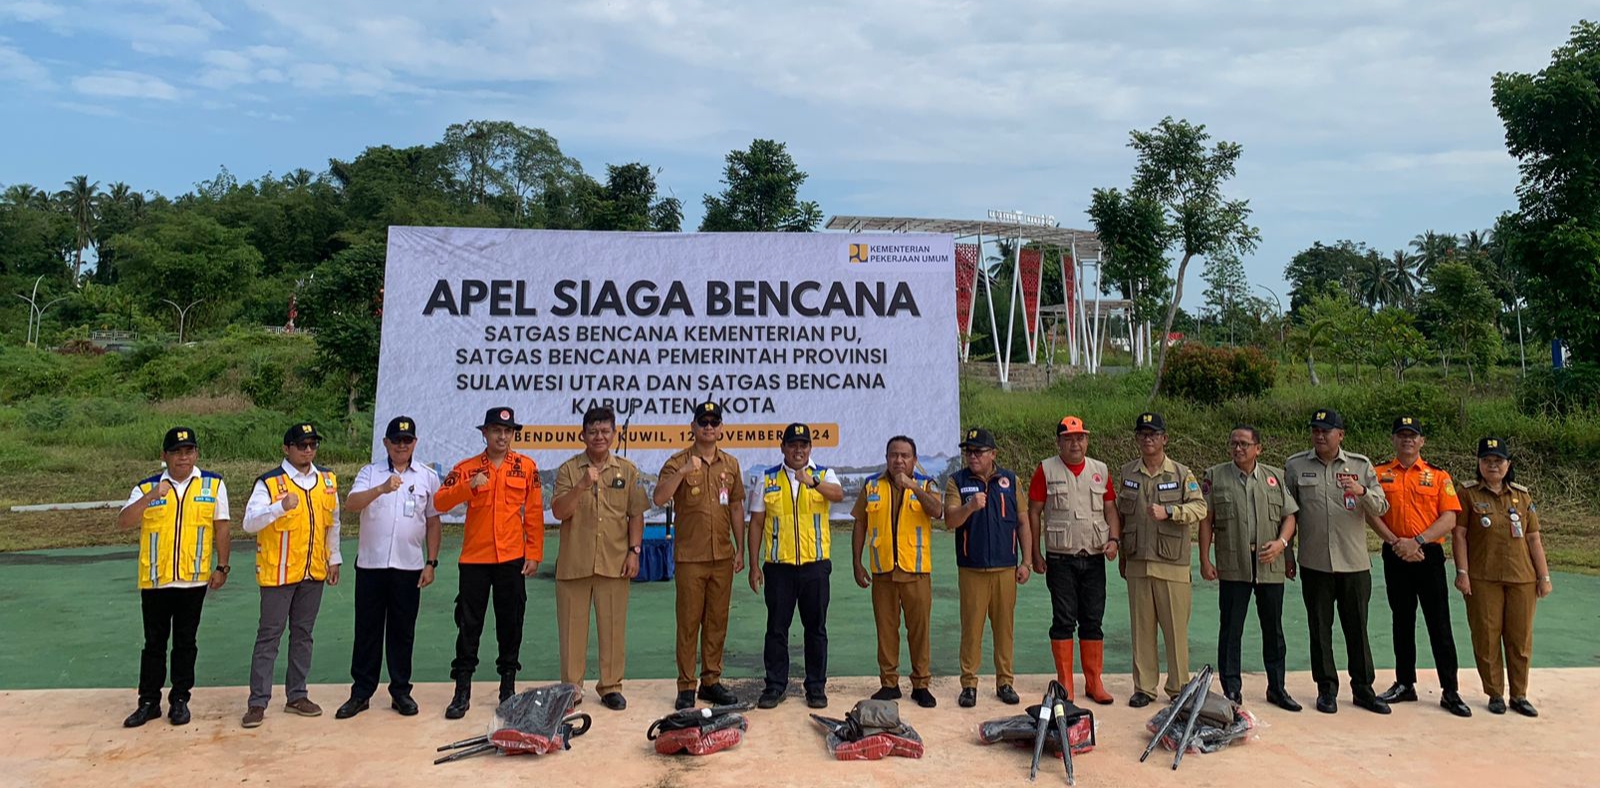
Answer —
73 737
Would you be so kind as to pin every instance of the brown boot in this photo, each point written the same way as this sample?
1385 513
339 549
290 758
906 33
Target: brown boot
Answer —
1094 661
1062 651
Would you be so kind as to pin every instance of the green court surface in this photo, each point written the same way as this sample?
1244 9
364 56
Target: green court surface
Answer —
71 619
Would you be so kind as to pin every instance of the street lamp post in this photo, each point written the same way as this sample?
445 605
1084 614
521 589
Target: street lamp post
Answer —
183 312
1278 309
36 313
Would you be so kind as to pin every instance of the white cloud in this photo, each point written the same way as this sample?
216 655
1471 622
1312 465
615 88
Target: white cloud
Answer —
19 69
125 84
30 11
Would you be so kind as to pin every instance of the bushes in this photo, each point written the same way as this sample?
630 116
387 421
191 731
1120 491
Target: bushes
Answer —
1212 375
1560 392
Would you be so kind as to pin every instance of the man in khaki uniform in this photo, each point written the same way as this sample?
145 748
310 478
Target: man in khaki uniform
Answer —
1158 500
707 494
601 506
1336 491
1250 518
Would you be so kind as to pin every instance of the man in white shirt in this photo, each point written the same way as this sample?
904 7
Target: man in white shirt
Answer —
182 515
294 514
395 559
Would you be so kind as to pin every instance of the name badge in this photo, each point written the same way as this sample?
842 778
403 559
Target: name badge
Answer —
1130 484
618 483
409 508
967 490
1167 486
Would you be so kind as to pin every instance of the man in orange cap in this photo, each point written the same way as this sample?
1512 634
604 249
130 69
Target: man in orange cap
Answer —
502 547
1078 534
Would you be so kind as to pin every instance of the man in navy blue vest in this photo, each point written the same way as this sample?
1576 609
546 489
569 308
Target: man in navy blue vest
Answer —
993 553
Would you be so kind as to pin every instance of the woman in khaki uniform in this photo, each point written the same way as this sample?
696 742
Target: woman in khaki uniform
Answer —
1501 569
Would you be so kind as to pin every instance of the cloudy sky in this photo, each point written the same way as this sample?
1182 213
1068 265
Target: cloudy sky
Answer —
1361 119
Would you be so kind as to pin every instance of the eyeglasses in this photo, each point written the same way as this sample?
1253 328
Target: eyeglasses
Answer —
1240 444
975 452
707 423
1147 436
306 445
403 441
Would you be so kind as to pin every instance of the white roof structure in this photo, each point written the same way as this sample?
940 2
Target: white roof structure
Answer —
1087 242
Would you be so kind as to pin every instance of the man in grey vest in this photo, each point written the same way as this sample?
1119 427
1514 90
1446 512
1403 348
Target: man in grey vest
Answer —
1079 533
1250 519
1158 500
1336 491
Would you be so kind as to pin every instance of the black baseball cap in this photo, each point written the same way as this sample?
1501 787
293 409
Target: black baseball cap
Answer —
401 427
1150 421
1328 419
304 431
796 433
708 410
1404 423
177 438
978 438
1493 447
500 417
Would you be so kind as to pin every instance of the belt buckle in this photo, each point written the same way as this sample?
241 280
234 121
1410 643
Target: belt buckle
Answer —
1081 554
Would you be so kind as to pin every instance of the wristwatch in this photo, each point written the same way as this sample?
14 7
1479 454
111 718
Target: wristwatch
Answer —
1420 541
224 568
433 563
636 549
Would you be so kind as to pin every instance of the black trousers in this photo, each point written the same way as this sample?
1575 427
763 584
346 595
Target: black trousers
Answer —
1406 584
387 601
510 593
175 613
1077 595
1234 599
1348 594
790 586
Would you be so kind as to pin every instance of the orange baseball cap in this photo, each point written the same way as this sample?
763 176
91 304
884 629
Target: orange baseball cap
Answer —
1071 425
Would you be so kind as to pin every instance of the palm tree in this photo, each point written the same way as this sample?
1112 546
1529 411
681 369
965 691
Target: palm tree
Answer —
1403 270
25 195
1432 249
1375 282
298 178
78 201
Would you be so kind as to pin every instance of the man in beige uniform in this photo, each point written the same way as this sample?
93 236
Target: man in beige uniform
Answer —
601 506
707 494
1158 500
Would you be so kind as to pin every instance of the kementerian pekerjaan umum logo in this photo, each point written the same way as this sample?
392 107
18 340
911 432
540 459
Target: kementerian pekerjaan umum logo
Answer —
909 252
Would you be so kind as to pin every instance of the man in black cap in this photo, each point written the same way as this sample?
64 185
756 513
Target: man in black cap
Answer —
1158 500
1422 511
790 518
707 494
294 514
1336 491
398 552
501 547
994 548
182 514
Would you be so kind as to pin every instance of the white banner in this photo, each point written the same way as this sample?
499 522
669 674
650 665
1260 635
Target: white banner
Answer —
853 334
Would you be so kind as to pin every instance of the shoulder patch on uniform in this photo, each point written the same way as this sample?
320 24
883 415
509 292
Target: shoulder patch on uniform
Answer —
204 474
1469 485
1362 457
1519 486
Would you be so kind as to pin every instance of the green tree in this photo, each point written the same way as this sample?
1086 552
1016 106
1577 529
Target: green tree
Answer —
1403 271
78 202
629 202
1375 281
343 301
761 193
185 259
1432 249
1553 237
1458 311
1393 341
1332 322
1312 270
1133 235
1227 297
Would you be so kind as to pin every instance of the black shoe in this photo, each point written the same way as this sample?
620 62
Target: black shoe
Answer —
718 695
1451 702
1282 700
966 700
461 702
403 704
351 708
685 700
887 693
1235 696
1523 707
817 701
1139 700
1373 704
145 713
1399 693
614 701
1007 695
1327 704
925 699
508 687
770 698
178 714
1497 705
